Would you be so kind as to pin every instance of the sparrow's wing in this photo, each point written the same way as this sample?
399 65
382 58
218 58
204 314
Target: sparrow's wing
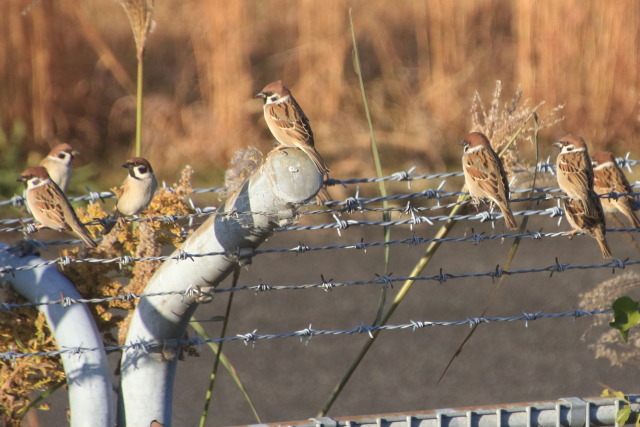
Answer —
601 179
47 201
484 169
290 118
620 181
577 170
580 218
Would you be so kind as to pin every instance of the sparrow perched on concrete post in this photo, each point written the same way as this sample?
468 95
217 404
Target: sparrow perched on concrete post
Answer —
608 178
49 205
290 126
575 177
485 175
137 189
58 164
288 123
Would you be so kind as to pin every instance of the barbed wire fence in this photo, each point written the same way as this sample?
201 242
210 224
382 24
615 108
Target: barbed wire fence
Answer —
334 208
414 213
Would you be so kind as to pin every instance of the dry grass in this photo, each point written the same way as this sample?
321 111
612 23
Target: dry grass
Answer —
66 69
604 340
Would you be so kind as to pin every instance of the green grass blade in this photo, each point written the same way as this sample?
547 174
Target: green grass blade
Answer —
220 357
376 160
229 367
139 108
512 251
41 397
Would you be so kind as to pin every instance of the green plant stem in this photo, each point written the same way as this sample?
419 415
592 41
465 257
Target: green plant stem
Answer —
229 367
218 352
139 107
376 160
43 396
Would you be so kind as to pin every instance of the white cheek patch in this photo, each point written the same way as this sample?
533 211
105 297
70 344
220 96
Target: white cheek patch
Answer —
275 100
475 149
36 182
603 165
574 150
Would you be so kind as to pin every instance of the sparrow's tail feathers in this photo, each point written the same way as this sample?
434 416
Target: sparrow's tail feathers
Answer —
83 233
317 160
322 196
509 218
632 217
602 242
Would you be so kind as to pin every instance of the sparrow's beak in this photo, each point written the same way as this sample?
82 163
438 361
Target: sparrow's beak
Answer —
557 144
259 95
21 179
126 165
75 152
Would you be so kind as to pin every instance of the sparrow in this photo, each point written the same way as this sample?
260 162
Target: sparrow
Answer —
288 123
575 177
137 189
49 206
58 164
485 175
608 178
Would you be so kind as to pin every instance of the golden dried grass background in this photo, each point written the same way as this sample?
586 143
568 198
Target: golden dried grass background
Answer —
66 69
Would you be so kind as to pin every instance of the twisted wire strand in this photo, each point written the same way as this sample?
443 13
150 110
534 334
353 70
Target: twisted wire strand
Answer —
301 248
441 277
306 333
543 167
349 205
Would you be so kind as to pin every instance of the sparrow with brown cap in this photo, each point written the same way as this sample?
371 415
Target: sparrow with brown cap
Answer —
49 206
609 178
485 176
137 189
58 164
575 177
290 126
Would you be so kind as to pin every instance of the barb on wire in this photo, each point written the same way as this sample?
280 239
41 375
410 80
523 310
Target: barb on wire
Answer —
307 332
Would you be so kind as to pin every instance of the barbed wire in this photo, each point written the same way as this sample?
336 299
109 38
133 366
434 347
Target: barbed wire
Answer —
350 205
340 224
306 333
326 285
124 260
543 167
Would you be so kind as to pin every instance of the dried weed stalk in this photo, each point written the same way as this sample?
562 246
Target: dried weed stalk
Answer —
25 330
243 164
139 14
500 124
608 344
